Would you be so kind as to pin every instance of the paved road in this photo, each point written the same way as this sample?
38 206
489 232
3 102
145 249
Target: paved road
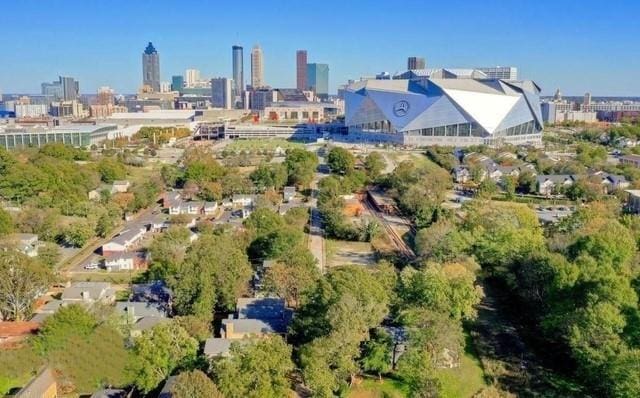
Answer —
316 233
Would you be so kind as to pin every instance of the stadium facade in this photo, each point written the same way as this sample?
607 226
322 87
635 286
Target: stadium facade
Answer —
457 107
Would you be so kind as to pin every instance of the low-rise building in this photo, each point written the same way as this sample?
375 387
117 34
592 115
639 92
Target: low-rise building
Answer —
133 311
630 160
288 193
88 293
127 261
550 184
633 201
124 241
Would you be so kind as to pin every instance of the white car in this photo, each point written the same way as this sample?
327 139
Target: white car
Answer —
91 266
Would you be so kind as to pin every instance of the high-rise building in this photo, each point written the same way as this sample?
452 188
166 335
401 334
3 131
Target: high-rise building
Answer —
191 76
500 72
257 67
238 71
318 79
151 68
587 99
53 90
177 83
70 88
221 91
416 63
105 96
301 70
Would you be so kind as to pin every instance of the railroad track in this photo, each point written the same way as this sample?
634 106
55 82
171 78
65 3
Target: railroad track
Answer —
396 239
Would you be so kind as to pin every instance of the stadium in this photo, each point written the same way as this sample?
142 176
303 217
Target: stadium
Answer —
457 107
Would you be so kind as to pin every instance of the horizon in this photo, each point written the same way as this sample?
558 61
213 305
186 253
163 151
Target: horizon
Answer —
574 49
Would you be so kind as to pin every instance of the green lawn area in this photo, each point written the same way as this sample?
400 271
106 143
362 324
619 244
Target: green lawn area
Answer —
465 380
372 388
17 366
340 252
261 145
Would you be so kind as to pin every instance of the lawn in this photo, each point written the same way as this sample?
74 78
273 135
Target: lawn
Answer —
261 145
466 380
372 388
340 252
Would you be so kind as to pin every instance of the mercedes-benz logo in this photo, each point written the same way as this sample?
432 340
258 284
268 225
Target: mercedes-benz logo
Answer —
401 108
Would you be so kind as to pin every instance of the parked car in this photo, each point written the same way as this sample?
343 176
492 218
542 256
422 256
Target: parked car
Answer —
91 266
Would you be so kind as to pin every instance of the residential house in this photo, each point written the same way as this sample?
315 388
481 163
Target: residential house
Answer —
146 323
633 201
25 243
133 311
611 182
217 347
125 241
120 186
110 393
127 261
288 193
158 223
461 174
43 385
243 200
45 311
630 160
209 208
154 292
88 292
256 317
170 198
549 184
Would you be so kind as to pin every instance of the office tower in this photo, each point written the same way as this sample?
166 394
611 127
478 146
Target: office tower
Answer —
500 72
416 63
191 76
70 88
105 96
165 87
151 68
587 99
318 79
177 83
257 67
301 69
53 90
238 71
221 89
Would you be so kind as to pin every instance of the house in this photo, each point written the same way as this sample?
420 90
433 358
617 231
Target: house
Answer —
461 174
549 184
217 347
507 155
166 390
630 160
110 393
170 198
158 223
288 193
43 385
261 308
243 200
25 243
154 292
120 186
125 261
633 201
125 241
88 292
256 317
133 311
611 182
50 308
146 323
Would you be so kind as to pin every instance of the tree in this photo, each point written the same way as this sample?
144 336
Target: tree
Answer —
78 233
301 166
168 251
104 225
376 353
49 254
292 275
259 369
22 279
6 223
158 352
269 176
194 384
216 271
340 160
111 170
441 241
374 164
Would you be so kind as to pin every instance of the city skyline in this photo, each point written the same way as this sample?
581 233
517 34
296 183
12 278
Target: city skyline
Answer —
557 51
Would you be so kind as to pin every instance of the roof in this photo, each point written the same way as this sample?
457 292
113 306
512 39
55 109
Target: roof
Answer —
141 309
166 390
257 326
156 291
633 192
555 178
96 290
38 385
51 306
148 322
261 308
215 346
168 114
289 189
109 393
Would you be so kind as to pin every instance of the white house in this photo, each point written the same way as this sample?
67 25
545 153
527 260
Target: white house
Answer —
125 261
243 200
288 193
124 241
210 208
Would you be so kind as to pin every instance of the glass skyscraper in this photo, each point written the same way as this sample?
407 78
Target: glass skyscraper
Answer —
318 79
238 71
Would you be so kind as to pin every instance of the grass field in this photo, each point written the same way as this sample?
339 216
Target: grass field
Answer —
261 145
372 388
340 252
464 381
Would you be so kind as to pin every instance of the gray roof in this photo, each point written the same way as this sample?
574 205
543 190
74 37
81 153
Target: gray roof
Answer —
51 306
257 326
215 346
261 308
139 309
555 178
156 291
147 323
38 385
96 290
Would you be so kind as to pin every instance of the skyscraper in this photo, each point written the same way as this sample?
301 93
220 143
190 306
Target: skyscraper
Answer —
301 70
191 76
318 79
70 88
238 71
177 83
151 68
257 67
416 63
105 96
221 92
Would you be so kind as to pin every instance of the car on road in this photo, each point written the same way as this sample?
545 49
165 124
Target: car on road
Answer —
91 266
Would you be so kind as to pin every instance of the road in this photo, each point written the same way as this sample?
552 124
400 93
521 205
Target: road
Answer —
316 233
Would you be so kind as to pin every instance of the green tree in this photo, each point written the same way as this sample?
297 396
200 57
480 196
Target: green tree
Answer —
301 166
340 160
158 352
22 280
194 384
6 223
49 254
442 241
376 353
78 233
259 369
374 164
111 170
293 274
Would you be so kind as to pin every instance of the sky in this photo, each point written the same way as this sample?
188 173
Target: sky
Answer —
577 46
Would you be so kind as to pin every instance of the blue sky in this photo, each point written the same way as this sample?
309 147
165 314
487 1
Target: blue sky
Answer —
577 46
